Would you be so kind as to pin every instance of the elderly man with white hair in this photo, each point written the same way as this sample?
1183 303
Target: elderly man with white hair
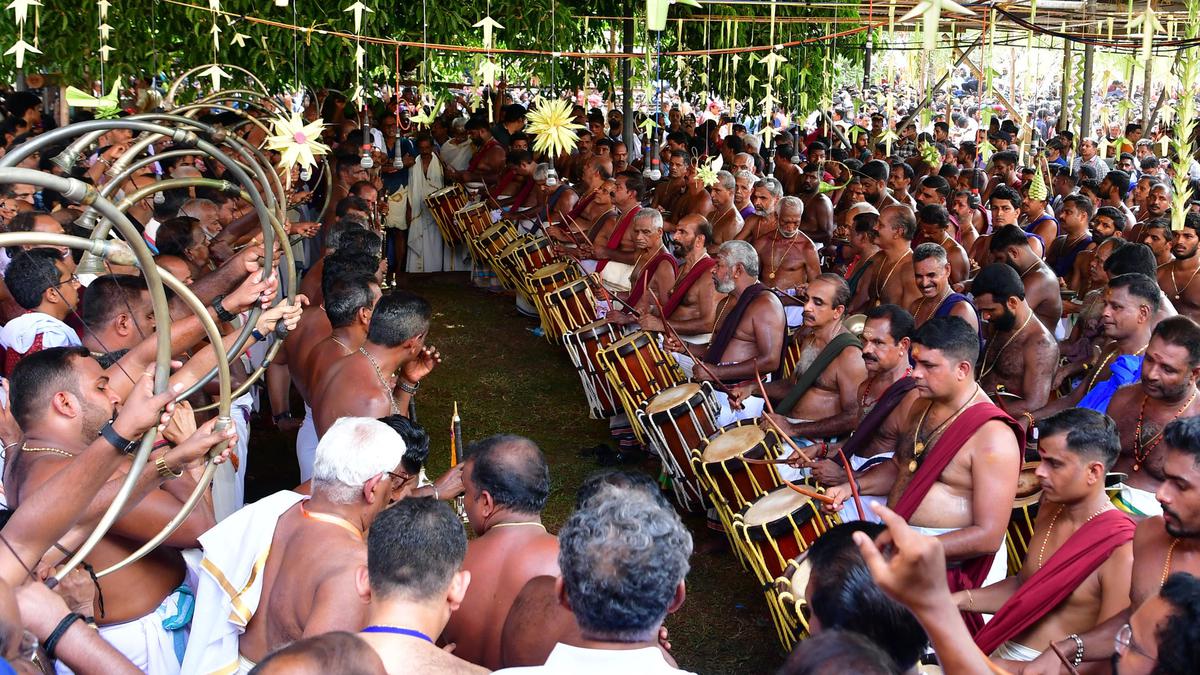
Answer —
284 567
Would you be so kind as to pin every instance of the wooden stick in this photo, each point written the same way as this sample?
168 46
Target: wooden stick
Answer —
812 494
862 515
1063 657
771 411
716 381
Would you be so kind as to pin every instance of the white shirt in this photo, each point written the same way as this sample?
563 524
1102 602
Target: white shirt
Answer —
580 661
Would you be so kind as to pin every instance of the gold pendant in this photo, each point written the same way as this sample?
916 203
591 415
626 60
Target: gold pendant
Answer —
1137 466
918 447
771 275
912 466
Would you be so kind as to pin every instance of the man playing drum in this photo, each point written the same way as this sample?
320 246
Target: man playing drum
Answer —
691 304
788 256
1076 572
956 465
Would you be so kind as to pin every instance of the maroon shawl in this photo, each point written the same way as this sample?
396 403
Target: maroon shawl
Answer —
618 233
682 286
970 573
724 333
643 280
870 423
1048 587
581 204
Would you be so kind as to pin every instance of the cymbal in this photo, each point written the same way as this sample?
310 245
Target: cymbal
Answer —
855 323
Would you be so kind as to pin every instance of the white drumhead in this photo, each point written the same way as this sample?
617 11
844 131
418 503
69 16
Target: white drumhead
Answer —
549 270
732 442
669 398
799 580
774 505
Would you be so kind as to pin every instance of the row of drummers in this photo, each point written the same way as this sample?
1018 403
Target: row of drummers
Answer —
726 467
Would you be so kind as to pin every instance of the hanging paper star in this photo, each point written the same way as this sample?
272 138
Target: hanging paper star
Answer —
20 9
217 73
648 125
105 51
103 6
104 29
930 12
768 103
360 54
107 107
239 39
296 141
216 36
488 24
20 49
773 61
555 128
358 8
214 5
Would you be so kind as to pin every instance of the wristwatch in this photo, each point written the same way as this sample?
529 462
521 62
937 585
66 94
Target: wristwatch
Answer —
118 441
222 313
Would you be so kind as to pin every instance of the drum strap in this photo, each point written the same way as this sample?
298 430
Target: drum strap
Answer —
806 379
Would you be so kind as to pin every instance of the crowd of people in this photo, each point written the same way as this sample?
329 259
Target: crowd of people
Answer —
959 326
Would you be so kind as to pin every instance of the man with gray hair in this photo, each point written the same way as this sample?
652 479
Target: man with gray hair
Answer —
766 193
205 211
744 181
931 268
789 257
749 331
725 218
296 559
624 556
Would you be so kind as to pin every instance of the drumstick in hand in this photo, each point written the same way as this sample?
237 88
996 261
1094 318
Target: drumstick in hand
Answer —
771 411
716 381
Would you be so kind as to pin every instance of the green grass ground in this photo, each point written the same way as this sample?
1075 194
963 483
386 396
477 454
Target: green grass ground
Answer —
507 380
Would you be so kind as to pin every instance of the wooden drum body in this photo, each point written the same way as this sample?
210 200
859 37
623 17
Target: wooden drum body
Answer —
443 204
495 239
733 484
638 369
567 307
1024 517
677 421
777 528
582 346
526 256
473 220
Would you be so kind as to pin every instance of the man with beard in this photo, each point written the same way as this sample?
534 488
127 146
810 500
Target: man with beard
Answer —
1130 303
874 177
931 268
786 173
934 223
933 190
725 218
654 269
1158 205
890 278
1082 571
693 198
1010 245
820 399
763 197
954 475
788 256
1163 546
1175 278
1166 392
818 210
669 191
750 326
1157 235
487 163
612 242
899 183
691 305
741 194
1020 351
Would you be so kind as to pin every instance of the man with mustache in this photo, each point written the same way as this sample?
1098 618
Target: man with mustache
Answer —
763 197
690 307
1163 546
1020 350
931 268
788 256
725 218
1176 277
1010 245
890 279
1166 392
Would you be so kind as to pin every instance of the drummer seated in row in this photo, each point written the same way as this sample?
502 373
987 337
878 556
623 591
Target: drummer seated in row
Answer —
749 331
885 398
691 306
514 191
821 398
654 269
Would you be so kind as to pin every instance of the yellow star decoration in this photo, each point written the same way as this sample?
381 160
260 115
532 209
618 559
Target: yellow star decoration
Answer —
707 174
296 141
551 121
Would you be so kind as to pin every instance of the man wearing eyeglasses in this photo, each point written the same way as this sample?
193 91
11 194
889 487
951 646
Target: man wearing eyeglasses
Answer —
1164 547
42 283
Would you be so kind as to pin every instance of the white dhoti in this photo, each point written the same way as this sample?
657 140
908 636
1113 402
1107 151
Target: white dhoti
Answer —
306 445
1136 502
700 340
1015 651
231 582
998 570
849 509
427 251
752 406
245 665
155 642
794 314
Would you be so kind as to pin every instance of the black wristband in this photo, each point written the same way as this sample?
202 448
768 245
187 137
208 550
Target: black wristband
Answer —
117 440
222 313
285 415
59 631
258 336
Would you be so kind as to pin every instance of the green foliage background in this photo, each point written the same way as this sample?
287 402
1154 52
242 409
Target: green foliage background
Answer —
153 36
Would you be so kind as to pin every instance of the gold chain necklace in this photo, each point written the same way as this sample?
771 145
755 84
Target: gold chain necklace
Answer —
382 380
985 369
919 445
921 303
54 451
1179 291
771 254
879 287
1167 565
1104 363
728 306
1050 530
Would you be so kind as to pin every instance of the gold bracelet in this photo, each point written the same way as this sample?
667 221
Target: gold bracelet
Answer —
970 601
165 471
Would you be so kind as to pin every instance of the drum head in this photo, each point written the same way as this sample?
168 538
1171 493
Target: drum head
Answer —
513 248
550 270
496 230
569 289
669 398
779 503
730 443
594 331
473 186
443 191
1027 482
799 580
632 343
